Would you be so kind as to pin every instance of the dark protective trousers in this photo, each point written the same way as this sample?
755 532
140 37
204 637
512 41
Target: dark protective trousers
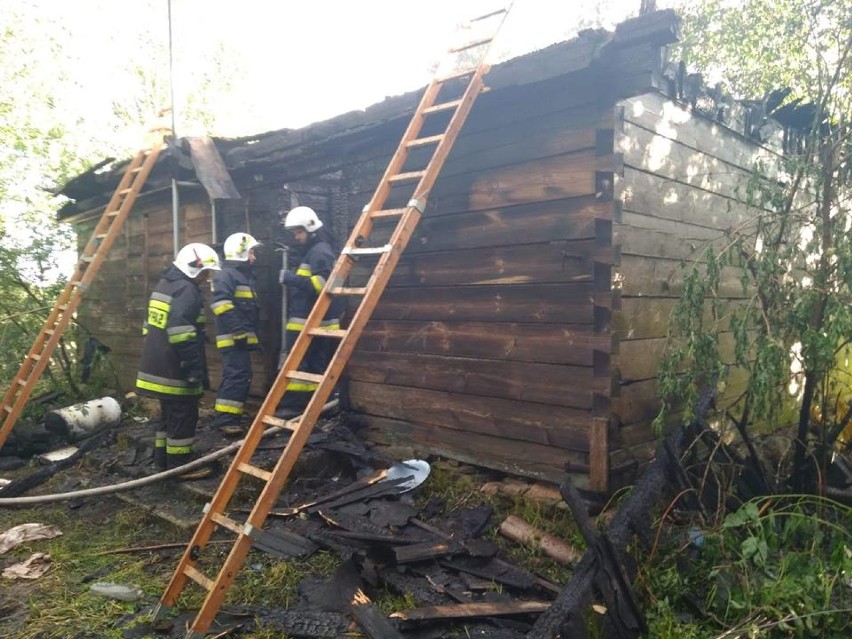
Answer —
236 381
174 437
316 360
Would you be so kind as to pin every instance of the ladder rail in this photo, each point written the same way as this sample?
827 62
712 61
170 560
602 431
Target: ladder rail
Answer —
388 258
91 258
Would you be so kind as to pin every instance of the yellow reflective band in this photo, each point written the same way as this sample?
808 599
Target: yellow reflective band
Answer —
145 330
224 342
201 319
160 442
318 282
160 306
252 339
306 387
222 307
304 272
168 390
294 326
181 337
225 408
178 450
244 292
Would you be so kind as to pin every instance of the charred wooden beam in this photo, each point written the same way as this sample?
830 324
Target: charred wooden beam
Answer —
370 619
569 607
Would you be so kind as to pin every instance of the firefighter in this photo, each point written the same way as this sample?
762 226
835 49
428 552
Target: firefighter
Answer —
173 367
236 310
303 287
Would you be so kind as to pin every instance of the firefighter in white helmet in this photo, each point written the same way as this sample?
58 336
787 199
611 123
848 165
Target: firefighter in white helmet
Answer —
173 368
236 310
302 288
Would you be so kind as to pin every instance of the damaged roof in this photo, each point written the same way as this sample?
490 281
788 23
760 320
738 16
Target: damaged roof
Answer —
588 50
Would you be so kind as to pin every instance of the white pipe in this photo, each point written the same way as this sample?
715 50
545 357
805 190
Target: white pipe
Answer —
81 420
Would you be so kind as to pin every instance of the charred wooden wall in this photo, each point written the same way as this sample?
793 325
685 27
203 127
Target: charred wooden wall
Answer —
683 189
493 341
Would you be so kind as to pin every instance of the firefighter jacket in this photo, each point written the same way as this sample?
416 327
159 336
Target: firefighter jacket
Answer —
304 289
235 306
173 363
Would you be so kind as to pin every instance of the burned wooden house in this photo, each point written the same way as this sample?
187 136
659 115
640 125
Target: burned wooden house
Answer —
521 329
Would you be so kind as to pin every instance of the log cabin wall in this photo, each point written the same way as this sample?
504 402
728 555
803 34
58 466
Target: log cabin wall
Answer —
682 190
493 342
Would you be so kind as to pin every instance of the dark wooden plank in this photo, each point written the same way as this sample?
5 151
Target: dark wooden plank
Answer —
558 385
543 343
554 178
547 426
521 459
561 261
564 303
571 219
484 609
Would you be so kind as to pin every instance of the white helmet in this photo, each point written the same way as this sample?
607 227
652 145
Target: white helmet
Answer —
303 217
194 258
238 245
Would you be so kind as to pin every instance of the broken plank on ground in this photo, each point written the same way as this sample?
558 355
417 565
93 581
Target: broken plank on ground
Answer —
483 609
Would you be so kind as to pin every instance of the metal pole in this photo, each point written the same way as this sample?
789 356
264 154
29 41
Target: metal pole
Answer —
282 354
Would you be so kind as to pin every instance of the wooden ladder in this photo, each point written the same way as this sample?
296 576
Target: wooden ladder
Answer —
93 255
384 256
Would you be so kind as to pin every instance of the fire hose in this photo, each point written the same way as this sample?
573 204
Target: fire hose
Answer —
144 481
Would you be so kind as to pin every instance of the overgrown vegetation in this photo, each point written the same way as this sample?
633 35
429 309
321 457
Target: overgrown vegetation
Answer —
765 315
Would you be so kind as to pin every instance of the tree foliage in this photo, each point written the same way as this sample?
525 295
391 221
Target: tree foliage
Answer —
795 254
80 82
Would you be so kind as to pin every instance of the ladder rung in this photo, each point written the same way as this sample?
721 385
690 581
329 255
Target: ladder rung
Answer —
196 575
406 177
136 170
254 471
388 213
77 283
8 409
227 522
21 382
339 333
125 191
372 250
496 12
87 258
444 106
432 139
35 356
101 236
305 377
111 213
289 424
49 331
346 290
470 45
62 307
